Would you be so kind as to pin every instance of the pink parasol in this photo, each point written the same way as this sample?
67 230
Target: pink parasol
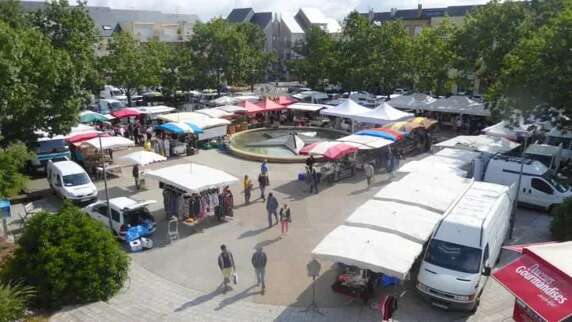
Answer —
126 112
329 149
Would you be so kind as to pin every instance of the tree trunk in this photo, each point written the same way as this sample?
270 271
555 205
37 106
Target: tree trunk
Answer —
128 90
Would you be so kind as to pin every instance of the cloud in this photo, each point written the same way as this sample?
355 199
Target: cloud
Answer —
207 9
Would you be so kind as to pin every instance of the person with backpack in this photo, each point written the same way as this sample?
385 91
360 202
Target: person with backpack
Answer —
263 183
226 265
271 208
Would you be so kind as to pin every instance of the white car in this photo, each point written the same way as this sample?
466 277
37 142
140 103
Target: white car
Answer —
125 213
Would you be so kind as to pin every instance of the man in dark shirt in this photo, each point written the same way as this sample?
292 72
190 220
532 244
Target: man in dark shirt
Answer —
259 262
226 265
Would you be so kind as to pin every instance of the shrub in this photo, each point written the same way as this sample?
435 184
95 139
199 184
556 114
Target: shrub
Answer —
13 300
68 258
561 225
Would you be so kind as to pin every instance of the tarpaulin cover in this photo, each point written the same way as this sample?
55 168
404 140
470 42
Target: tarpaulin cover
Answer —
482 143
383 133
180 128
192 177
541 286
370 142
434 191
366 248
408 221
110 142
382 114
126 112
332 150
346 109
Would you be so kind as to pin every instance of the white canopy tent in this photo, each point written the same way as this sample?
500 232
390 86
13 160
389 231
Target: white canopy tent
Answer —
417 101
192 177
365 142
214 112
224 100
366 248
155 110
503 130
425 166
313 95
482 143
434 191
110 142
143 157
408 221
383 114
346 109
231 108
458 105
307 107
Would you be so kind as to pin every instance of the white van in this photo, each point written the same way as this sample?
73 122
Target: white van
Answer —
538 187
465 246
71 182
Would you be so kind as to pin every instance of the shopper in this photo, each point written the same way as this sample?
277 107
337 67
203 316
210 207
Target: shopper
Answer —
369 172
271 208
310 161
226 265
259 262
247 189
264 167
262 184
285 218
314 180
136 175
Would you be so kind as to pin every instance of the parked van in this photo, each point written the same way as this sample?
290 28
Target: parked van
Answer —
549 155
538 187
47 149
465 246
71 182
112 92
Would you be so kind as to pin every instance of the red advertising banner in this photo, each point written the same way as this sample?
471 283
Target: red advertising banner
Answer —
541 288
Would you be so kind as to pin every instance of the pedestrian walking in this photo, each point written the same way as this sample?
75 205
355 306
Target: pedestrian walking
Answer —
259 263
314 180
264 167
247 189
262 184
271 208
369 172
136 175
285 218
226 265
310 161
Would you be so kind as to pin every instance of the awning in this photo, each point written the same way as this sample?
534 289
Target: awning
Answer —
542 287
332 150
200 120
286 100
143 157
180 128
192 177
231 108
252 108
82 136
270 106
110 142
307 107
482 143
369 249
158 109
126 112
214 112
371 142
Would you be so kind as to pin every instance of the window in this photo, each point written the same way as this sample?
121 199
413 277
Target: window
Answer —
454 257
115 215
486 255
541 185
76 179
102 210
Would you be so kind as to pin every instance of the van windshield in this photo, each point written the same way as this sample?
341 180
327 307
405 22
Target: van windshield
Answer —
453 256
560 185
75 179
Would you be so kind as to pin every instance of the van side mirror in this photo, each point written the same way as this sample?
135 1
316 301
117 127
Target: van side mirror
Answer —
486 271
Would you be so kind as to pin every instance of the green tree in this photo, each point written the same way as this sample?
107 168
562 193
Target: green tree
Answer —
255 62
12 14
71 28
318 57
354 54
433 58
39 87
12 162
132 65
487 35
537 69
14 298
68 258
561 225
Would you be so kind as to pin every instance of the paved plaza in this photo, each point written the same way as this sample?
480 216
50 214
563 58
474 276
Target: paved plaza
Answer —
181 280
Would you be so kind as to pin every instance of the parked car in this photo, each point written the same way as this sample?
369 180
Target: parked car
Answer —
125 213
70 182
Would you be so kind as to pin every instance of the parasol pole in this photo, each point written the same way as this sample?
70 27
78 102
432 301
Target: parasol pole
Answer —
105 183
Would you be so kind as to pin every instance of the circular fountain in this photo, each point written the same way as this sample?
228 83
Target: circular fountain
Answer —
279 144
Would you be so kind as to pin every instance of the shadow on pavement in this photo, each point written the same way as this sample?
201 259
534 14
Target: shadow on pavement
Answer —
265 243
239 296
201 299
253 232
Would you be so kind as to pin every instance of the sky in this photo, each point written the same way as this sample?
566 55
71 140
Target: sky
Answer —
337 9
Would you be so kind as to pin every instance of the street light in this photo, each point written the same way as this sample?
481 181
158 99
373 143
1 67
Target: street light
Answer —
105 182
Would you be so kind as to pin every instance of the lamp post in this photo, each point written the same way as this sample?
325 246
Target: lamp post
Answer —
105 182
515 205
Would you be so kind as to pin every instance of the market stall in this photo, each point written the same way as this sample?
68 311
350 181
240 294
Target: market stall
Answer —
541 281
339 166
141 159
191 192
215 113
415 102
181 136
232 108
126 112
88 117
149 114
382 114
308 114
481 143
212 127
92 156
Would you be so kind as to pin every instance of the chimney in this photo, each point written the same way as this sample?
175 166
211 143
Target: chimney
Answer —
393 11
419 9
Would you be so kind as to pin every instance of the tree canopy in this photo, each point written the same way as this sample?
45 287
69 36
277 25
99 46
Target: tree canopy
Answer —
12 161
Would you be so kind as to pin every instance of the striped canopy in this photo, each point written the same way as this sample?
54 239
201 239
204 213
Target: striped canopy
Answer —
180 128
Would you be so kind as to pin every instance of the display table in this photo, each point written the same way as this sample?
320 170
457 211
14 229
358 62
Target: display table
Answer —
336 171
358 288
179 148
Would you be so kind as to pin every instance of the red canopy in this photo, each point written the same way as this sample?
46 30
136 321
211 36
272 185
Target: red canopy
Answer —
270 106
126 112
81 136
286 100
542 287
251 108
